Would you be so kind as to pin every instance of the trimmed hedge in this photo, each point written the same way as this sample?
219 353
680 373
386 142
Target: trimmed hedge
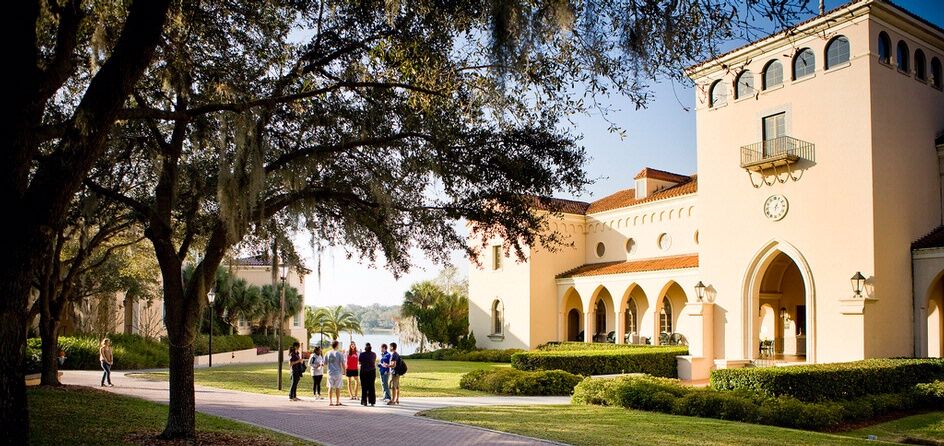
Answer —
452 354
931 394
828 382
128 351
670 396
571 346
221 344
653 360
516 382
270 342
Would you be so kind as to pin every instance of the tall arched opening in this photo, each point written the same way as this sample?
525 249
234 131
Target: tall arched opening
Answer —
573 319
779 307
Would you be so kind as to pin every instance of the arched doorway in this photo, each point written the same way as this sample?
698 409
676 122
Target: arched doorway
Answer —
634 306
779 303
573 316
573 324
668 309
603 320
936 319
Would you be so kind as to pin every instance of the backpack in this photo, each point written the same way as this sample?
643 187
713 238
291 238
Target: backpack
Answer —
400 368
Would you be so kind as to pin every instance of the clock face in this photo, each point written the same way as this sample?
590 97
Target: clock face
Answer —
775 208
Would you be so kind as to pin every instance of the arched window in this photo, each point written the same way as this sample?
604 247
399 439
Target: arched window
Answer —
921 65
773 74
884 48
902 56
837 52
600 314
631 311
744 85
718 94
936 80
665 316
498 317
804 64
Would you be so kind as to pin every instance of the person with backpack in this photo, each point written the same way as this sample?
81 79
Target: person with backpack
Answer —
316 362
397 369
298 369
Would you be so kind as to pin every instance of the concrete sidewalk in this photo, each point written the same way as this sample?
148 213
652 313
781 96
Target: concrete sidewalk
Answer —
312 420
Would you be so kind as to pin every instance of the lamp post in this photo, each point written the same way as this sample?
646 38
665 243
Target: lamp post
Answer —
283 270
858 282
700 291
210 297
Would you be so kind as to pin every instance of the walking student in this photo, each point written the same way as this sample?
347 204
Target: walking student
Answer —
385 371
335 363
298 369
105 357
351 371
394 377
316 362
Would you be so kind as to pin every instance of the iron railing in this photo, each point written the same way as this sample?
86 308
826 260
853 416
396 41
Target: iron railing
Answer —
783 148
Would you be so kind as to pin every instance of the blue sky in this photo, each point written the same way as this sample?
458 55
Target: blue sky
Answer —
661 136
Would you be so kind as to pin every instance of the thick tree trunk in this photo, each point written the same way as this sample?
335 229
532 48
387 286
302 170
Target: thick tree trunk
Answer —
181 418
14 289
49 334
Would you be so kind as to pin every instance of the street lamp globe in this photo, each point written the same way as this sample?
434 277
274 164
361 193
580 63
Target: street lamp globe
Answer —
211 296
283 270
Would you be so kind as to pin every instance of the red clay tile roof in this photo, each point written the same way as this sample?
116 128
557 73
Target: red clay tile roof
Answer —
561 205
253 261
933 239
635 266
661 175
627 197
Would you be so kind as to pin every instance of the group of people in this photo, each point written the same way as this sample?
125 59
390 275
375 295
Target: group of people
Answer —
360 367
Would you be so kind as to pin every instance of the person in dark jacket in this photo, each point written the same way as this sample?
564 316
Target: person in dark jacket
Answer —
298 368
368 375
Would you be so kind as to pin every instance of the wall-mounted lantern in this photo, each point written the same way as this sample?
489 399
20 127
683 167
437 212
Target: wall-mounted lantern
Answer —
858 283
700 291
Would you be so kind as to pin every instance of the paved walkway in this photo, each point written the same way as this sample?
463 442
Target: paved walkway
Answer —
352 424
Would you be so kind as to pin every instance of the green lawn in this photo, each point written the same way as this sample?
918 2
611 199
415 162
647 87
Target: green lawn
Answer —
595 425
426 377
928 426
81 416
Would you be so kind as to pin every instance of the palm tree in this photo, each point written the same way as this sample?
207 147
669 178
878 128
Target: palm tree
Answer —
340 320
316 321
417 303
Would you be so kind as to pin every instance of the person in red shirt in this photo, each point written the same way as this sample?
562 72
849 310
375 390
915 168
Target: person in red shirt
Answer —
353 386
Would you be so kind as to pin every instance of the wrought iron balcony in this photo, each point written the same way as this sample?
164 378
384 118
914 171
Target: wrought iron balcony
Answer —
774 153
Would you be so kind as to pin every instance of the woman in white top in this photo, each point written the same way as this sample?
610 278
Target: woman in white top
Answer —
316 362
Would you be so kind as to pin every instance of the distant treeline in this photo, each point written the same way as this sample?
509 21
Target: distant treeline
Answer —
375 316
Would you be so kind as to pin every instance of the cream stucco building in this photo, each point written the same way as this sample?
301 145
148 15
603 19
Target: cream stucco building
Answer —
819 157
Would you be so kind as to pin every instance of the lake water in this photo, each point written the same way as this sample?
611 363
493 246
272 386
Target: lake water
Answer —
375 338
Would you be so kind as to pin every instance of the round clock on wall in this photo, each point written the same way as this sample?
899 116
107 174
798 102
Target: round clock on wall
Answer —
775 208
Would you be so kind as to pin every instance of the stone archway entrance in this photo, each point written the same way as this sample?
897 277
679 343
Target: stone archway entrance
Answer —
779 307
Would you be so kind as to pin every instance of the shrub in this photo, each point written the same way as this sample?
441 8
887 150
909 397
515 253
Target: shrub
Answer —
570 346
451 354
270 341
670 396
222 344
930 394
128 351
507 381
653 360
831 382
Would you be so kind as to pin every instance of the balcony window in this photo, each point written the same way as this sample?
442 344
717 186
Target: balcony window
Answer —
936 80
496 257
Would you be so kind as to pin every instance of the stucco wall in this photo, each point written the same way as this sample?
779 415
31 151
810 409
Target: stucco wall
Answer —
906 116
829 222
509 284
